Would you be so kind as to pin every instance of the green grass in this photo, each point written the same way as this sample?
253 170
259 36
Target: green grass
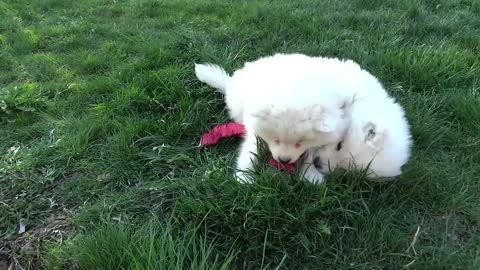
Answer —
153 245
101 115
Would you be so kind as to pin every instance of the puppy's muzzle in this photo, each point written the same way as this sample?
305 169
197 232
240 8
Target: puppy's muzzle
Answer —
284 160
317 162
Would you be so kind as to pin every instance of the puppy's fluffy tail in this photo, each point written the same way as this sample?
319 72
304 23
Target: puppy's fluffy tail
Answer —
213 75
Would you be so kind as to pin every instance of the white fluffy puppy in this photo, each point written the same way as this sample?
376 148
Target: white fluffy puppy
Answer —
378 138
293 102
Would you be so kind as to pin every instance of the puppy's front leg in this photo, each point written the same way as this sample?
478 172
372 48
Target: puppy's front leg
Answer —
308 169
246 157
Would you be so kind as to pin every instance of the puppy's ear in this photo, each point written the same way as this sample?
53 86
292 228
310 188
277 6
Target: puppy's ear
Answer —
322 119
348 102
374 136
328 123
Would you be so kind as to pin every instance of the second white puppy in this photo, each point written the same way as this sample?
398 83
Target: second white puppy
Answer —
378 138
293 102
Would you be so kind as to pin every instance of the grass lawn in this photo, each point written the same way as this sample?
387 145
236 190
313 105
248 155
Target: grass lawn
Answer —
101 115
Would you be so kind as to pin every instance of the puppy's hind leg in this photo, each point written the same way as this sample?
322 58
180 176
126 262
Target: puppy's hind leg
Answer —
246 157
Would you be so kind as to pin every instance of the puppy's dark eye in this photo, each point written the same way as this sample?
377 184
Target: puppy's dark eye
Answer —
339 146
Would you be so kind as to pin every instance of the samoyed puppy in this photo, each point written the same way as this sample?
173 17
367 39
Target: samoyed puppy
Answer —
291 101
378 138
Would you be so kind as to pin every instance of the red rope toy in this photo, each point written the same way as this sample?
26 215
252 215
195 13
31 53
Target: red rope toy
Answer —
238 130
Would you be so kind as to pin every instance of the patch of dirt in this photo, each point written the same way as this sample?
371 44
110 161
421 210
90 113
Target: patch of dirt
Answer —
3 262
24 251
461 228
464 232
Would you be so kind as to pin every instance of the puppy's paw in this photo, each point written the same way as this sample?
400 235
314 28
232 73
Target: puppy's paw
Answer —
243 178
313 176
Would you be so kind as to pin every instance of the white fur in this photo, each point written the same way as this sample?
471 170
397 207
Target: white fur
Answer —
378 138
293 102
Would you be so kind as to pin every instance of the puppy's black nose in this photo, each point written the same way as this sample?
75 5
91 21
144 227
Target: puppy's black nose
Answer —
317 163
284 160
